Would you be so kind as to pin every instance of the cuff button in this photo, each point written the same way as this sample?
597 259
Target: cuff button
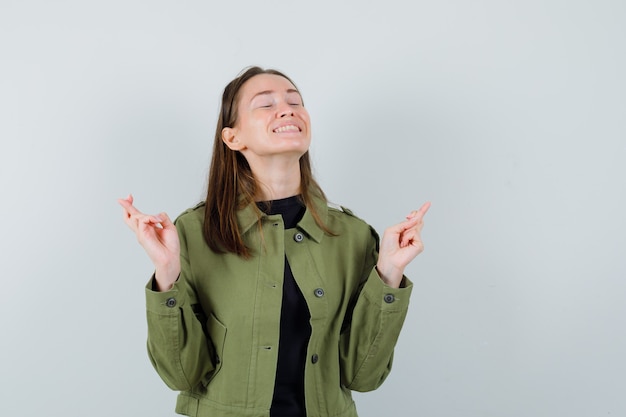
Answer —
389 298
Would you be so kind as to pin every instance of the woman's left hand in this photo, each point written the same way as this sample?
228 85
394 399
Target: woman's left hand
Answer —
399 245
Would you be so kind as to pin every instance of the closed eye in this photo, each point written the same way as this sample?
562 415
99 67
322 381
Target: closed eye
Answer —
293 98
265 104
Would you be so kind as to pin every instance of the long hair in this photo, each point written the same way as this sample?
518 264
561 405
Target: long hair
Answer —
231 184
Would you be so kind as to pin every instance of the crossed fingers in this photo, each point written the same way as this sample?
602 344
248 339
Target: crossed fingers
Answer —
135 219
413 226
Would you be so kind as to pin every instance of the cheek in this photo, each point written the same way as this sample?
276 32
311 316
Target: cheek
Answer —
252 126
258 120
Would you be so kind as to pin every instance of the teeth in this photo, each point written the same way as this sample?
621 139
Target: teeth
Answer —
289 128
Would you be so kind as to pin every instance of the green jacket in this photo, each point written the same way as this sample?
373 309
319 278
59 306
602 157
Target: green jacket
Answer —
214 335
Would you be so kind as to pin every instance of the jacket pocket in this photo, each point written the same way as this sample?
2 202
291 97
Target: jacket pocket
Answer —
217 333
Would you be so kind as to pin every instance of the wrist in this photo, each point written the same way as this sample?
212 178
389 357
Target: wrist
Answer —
390 275
166 275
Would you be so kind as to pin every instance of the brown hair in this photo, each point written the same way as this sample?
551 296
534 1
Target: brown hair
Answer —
231 185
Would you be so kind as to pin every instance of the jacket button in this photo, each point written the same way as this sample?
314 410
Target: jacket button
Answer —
171 302
389 298
298 237
319 292
315 358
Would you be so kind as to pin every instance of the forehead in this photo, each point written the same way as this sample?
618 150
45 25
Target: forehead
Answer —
265 82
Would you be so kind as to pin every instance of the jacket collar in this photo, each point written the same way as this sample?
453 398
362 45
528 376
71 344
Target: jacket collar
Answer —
249 215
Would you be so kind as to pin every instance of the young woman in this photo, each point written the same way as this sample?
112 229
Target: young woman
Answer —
267 301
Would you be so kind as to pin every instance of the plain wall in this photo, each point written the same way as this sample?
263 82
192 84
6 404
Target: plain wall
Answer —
510 116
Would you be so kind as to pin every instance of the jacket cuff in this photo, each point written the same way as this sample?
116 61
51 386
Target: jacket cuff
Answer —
386 297
163 302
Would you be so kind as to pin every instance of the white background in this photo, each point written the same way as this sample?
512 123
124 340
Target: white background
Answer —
510 116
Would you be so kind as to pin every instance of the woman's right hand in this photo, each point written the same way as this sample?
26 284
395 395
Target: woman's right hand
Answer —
159 238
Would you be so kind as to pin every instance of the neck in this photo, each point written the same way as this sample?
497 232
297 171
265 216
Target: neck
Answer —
276 180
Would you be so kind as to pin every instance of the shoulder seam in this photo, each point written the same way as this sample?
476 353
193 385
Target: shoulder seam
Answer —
335 206
342 209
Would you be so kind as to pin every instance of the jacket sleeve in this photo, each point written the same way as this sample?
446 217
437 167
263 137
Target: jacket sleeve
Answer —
372 329
178 345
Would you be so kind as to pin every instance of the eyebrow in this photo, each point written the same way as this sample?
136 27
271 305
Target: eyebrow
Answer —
267 92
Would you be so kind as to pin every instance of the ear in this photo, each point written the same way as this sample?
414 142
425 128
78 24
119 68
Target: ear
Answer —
231 139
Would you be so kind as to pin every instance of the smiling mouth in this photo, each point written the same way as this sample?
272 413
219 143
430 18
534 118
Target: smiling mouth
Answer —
288 128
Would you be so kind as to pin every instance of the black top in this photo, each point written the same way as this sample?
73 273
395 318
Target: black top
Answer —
295 329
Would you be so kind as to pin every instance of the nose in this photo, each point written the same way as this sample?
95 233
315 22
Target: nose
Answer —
285 110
